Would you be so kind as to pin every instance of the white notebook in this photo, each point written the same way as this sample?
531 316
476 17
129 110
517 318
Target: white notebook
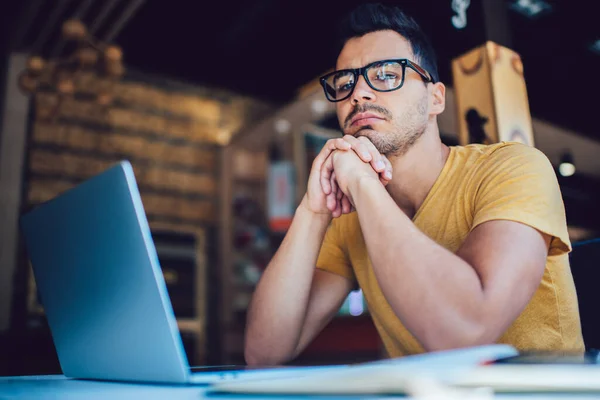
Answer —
380 377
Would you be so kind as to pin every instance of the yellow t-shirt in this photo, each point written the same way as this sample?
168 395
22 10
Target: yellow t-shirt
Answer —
478 183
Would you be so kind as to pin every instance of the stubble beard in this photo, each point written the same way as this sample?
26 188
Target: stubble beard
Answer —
403 135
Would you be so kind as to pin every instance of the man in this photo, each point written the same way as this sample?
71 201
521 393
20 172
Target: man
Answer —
452 247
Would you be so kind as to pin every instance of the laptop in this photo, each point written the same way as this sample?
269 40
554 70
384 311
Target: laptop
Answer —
103 292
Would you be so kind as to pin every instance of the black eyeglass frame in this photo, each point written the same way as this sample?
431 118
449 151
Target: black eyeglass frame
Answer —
357 72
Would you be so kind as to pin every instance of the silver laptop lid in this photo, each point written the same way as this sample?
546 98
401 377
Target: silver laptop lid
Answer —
101 285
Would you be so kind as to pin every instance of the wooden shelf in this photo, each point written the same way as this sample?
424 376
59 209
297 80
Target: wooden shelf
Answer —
190 325
250 180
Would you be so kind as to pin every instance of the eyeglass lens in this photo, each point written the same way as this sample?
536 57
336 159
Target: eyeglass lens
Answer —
382 76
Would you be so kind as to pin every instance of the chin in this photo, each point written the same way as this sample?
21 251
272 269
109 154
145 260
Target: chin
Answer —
364 131
367 131
380 140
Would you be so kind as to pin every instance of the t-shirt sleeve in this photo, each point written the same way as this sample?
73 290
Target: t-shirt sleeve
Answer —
333 257
518 183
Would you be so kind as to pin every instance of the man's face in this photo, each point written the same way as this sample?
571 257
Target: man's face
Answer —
394 120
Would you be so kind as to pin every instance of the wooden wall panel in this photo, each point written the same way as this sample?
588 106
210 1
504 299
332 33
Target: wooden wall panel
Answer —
199 211
40 191
179 181
78 167
137 147
170 132
131 120
65 165
144 96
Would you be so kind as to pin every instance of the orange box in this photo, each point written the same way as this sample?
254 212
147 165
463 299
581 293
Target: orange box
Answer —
491 96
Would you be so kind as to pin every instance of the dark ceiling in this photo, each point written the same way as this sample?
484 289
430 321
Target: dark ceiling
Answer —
269 48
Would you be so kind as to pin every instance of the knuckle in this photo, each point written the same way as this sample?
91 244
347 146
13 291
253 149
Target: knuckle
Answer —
367 142
364 139
350 139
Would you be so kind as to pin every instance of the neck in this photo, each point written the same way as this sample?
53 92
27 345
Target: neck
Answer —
415 172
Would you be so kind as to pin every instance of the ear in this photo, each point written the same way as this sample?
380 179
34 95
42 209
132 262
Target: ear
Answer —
439 98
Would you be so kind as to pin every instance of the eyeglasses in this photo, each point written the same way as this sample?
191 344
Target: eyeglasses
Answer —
382 76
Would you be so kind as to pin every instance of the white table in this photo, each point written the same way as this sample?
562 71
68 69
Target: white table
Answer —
59 387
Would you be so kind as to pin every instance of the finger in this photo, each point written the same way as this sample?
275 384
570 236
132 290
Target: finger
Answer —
337 211
387 174
341 144
336 189
331 202
359 148
346 206
326 171
335 194
329 146
376 158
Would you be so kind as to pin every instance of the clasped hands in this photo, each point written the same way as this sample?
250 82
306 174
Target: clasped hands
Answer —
337 170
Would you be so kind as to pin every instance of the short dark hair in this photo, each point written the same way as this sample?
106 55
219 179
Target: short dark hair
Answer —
373 17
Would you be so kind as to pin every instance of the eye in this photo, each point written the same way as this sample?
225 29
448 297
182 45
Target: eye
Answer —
343 82
386 73
383 75
346 86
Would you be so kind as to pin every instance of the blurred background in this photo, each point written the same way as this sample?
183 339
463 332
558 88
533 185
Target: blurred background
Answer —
217 106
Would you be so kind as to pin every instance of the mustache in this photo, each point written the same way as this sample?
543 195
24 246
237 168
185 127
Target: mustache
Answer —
361 108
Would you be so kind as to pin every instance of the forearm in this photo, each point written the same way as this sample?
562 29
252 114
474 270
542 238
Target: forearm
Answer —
437 295
278 309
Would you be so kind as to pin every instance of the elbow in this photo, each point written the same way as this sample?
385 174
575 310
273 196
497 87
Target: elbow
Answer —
465 335
255 359
252 356
252 359
257 356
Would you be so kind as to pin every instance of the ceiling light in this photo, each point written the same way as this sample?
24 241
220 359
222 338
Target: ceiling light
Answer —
283 126
531 8
567 166
318 106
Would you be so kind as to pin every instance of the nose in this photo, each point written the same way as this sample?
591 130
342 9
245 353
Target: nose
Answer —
362 92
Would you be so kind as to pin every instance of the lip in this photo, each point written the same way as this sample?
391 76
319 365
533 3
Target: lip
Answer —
365 119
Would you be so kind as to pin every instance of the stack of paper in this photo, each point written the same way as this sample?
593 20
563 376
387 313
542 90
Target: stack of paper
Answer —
532 378
387 376
458 369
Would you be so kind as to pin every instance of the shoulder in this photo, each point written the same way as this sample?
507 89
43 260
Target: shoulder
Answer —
498 152
510 150
506 158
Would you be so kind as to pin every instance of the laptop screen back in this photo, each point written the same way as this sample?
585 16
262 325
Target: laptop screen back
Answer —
101 285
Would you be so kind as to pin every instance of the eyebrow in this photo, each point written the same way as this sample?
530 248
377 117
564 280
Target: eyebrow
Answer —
411 58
